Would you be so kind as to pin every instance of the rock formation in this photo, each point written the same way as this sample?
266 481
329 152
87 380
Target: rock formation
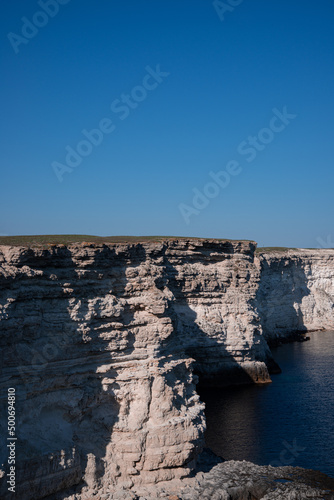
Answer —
296 292
105 344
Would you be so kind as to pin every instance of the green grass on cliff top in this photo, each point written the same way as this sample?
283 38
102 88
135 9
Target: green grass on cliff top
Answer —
65 239
44 240
274 249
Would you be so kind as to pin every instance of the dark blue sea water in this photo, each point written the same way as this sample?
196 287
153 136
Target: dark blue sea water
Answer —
288 422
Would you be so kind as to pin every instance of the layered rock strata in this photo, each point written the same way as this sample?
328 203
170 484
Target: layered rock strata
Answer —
236 480
104 345
101 343
296 292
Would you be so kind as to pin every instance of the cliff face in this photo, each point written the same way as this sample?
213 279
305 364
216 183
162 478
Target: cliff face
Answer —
296 292
104 345
101 343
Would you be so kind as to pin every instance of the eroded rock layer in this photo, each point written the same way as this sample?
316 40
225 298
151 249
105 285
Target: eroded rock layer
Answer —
104 345
296 292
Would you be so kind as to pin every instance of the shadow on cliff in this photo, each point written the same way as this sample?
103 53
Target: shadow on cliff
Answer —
62 350
282 287
87 415
213 364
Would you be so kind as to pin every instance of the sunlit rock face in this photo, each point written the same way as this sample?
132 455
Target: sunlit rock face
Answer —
105 344
296 291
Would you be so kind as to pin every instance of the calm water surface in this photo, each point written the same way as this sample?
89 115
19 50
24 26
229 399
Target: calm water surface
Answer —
288 422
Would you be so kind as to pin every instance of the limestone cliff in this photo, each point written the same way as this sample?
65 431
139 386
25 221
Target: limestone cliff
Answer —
105 343
296 292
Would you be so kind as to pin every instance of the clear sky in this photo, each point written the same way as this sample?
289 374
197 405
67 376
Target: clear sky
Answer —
214 119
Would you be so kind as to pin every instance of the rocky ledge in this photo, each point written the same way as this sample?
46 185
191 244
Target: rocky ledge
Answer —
232 480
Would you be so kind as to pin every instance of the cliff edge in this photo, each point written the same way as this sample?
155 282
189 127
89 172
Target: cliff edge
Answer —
105 343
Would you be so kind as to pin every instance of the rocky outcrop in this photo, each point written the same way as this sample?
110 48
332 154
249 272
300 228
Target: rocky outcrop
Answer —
234 480
296 292
105 344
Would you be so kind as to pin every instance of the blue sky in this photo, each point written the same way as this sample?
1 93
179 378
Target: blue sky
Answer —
223 70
